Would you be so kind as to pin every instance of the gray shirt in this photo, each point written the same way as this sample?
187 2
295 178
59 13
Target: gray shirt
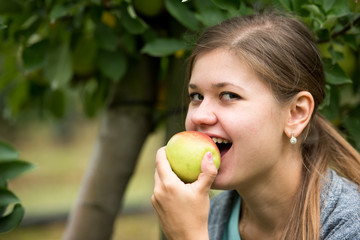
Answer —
340 214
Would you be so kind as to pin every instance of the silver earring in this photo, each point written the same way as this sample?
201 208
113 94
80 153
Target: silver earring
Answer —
293 139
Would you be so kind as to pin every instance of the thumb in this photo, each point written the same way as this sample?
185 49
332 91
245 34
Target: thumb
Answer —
208 171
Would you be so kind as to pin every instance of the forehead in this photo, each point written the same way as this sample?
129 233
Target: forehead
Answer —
222 67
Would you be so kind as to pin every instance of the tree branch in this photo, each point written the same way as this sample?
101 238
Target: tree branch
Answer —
341 32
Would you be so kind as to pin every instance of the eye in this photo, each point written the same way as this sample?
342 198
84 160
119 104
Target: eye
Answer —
229 96
196 97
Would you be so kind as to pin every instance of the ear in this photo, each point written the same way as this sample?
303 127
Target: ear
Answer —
300 112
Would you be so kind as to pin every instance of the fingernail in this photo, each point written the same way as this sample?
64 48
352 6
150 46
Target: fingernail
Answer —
209 156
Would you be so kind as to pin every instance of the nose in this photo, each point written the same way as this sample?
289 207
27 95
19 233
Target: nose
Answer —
203 115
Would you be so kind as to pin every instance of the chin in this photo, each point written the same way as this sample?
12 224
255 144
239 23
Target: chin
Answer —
221 183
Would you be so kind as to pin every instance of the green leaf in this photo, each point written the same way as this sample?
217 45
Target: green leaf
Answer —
133 24
93 96
228 4
112 64
34 55
3 183
182 14
336 55
352 124
313 9
57 12
56 103
84 57
330 22
161 47
88 97
106 37
7 197
328 4
297 6
326 101
204 4
286 4
58 65
334 73
7 152
331 110
210 16
340 9
13 219
9 62
3 210
13 169
245 10
19 96
351 40
2 26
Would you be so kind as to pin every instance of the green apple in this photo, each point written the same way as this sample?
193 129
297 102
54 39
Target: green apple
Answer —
185 151
149 8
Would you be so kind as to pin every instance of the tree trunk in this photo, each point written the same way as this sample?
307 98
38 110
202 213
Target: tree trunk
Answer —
175 100
124 128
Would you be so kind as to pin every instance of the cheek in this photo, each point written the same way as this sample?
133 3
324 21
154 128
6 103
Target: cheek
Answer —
266 128
252 128
245 124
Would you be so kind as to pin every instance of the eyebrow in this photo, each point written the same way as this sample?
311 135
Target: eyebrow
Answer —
217 85
192 86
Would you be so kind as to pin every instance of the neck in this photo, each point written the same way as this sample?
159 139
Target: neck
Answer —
267 204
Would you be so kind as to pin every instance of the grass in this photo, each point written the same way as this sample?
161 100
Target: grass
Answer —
53 186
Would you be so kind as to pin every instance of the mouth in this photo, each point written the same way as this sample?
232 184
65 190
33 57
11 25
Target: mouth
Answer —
223 145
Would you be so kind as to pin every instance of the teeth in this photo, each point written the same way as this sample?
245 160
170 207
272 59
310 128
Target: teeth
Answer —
220 140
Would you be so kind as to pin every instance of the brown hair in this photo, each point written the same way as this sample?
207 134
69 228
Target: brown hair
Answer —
282 51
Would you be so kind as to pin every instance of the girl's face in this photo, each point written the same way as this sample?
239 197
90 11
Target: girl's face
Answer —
231 104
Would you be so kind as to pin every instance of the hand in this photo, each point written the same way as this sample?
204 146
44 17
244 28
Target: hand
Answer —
183 209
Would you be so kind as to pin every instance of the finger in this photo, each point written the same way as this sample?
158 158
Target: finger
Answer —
208 172
163 167
154 201
157 192
157 180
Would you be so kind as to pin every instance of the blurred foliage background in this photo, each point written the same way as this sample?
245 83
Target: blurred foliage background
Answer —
49 191
89 89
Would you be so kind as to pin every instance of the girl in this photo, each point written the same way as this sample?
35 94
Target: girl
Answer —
257 81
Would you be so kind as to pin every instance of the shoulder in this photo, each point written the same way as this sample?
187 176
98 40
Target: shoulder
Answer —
340 213
220 208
